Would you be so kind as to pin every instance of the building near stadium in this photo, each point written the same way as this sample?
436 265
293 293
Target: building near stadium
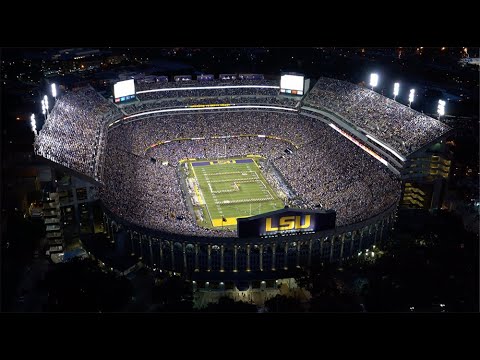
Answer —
230 180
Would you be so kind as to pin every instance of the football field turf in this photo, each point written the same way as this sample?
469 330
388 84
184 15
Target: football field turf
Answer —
231 189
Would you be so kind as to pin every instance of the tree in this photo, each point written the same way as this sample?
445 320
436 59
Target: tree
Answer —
80 285
282 303
226 304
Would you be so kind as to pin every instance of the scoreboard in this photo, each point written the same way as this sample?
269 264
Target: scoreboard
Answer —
124 91
292 84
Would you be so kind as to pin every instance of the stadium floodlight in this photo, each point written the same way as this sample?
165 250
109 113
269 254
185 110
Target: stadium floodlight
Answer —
396 90
45 99
373 80
441 108
54 90
411 97
44 111
34 125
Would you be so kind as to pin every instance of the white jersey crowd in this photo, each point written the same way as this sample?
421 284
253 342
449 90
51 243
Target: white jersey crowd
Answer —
325 169
322 170
405 129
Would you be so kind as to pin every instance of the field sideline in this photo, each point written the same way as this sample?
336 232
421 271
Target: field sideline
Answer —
233 188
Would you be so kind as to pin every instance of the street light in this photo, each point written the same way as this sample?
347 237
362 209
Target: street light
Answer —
373 80
54 90
396 89
441 108
411 97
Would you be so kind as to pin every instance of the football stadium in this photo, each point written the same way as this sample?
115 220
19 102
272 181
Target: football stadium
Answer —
237 177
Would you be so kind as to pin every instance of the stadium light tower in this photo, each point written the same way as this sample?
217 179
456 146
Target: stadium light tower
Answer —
411 97
441 108
396 89
54 91
373 80
34 125
44 111
45 99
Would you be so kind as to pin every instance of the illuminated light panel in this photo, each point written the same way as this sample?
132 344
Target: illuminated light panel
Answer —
207 105
373 80
411 96
396 88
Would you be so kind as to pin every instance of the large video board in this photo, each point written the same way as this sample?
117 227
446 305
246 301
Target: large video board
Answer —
124 90
292 84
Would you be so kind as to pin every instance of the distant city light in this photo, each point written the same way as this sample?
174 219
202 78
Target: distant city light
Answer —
373 80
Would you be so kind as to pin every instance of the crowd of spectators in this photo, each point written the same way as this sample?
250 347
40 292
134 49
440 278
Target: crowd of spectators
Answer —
322 167
189 91
393 123
183 102
74 133
331 172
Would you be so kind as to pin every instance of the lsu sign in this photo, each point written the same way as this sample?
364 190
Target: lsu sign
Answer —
286 221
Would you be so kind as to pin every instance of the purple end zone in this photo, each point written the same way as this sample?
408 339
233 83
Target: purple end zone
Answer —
202 163
243 161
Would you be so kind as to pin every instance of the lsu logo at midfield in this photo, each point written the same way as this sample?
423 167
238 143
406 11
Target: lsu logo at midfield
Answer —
288 223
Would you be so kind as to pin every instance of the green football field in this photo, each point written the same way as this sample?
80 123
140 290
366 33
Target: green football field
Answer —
232 188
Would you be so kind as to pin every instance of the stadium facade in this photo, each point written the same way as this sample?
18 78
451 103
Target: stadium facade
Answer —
223 256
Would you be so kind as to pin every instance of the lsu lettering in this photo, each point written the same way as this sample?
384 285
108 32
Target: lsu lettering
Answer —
288 223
